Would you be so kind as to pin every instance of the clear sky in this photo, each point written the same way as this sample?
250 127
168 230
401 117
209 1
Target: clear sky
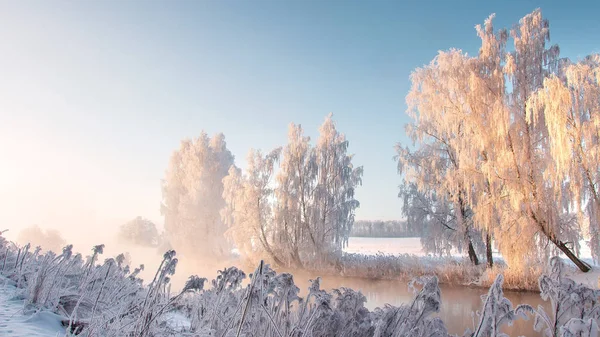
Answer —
95 95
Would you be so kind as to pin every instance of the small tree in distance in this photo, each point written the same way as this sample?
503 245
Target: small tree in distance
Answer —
139 231
49 239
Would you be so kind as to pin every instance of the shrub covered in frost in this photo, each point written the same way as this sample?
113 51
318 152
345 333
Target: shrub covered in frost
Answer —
575 307
109 299
497 311
405 267
413 319
105 299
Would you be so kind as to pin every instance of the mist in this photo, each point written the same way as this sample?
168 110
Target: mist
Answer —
83 240
231 168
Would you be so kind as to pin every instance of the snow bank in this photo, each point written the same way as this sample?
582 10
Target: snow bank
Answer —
14 322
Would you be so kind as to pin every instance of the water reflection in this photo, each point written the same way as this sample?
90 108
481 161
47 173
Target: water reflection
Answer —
459 304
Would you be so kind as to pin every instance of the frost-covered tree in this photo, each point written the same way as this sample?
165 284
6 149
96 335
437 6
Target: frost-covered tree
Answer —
249 206
50 239
336 180
509 156
438 103
193 196
139 231
484 142
315 194
384 229
534 211
305 211
569 105
435 218
485 107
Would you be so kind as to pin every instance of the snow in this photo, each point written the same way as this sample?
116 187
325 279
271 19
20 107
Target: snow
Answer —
14 322
590 279
392 246
177 321
412 246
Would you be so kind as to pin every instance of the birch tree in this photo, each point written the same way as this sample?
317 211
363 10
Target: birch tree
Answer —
434 217
337 179
569 105
306 212
315 194
139 231
249 207
484 141
526 166
438 105
491 149
295 181
192 196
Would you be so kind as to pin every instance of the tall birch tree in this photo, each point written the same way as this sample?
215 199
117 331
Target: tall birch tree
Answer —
192 196
304 213
569 105
493 133
438 105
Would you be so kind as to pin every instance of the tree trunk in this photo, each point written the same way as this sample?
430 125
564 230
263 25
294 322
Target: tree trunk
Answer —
488 250
472 254
462 221
274 258
584 267
296 259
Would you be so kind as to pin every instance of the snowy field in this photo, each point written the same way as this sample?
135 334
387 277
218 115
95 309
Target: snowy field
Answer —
412 246
394 246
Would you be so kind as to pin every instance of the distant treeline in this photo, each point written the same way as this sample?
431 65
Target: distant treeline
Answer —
383 229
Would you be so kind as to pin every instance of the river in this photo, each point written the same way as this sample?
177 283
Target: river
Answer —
459 304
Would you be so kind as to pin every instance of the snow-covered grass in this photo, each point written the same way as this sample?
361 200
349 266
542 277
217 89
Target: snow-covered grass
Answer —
404 258
449 270
91 297
73 295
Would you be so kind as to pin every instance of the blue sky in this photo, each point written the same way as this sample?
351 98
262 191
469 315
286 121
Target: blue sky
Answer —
94 96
